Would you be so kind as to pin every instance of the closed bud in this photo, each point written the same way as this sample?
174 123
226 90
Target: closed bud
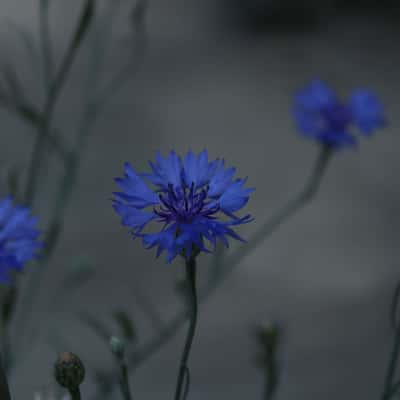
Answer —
69 371
117 347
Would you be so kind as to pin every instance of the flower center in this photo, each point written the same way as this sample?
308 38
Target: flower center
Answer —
185 204
337 117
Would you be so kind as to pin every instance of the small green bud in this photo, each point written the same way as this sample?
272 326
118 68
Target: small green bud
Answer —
117 347
69 371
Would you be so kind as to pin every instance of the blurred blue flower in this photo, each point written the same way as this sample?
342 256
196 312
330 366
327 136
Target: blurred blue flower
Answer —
18 238
321 115
194 199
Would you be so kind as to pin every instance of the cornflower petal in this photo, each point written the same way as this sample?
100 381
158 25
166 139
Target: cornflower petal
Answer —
368 111
133 217
235 196
135 191
220 179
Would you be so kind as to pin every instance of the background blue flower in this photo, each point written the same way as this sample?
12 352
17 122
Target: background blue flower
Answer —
18 238
321 115
195 200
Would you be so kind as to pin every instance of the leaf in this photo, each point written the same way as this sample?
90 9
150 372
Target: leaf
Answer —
125 324
97 327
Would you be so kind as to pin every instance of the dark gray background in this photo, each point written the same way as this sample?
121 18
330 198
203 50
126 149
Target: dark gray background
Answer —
211 81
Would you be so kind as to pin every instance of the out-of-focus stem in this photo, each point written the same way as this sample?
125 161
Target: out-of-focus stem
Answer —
124 381
45 41
29 114
53 95
390 388
4 390
271 381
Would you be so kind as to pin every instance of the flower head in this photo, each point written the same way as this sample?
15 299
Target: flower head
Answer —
18 238
321 115
194 199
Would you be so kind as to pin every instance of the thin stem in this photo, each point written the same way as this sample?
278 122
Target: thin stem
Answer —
53 95
4 390
391 369
184 369
394 389
46 44
187 384
75 394
124 381
271 381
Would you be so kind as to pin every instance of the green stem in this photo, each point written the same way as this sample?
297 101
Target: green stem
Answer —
191 282
46 44
394 389
75 394
53 95
4 390
124 381
388 389
271 381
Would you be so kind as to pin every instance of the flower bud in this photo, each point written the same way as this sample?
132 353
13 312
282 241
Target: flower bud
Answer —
117 347
69 371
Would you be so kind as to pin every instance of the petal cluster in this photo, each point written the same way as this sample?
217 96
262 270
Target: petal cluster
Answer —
190 201
321 115
18 238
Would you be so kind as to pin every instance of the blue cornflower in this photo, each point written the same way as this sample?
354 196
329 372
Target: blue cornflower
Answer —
321 115
194 199
18 238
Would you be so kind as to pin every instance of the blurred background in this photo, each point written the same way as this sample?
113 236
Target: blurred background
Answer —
220 74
